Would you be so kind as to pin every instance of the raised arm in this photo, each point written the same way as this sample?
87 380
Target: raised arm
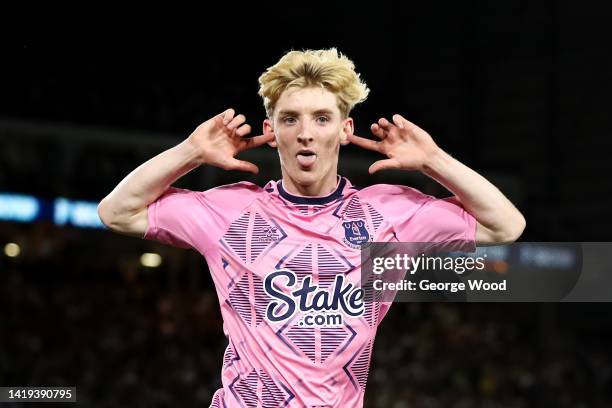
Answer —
215 142
409 147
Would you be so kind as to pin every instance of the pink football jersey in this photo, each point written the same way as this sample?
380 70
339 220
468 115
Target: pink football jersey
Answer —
286 269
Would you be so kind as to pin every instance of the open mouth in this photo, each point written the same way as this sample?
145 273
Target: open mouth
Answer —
306 158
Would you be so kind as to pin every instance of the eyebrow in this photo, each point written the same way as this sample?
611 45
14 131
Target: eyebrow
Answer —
295 113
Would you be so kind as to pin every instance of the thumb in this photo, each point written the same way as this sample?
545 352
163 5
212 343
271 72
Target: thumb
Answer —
382 165
243 165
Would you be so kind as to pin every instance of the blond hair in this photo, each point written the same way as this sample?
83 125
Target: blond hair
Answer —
328 69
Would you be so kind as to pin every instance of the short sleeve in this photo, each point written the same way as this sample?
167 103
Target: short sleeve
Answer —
177 218
417 217
440 221
197 219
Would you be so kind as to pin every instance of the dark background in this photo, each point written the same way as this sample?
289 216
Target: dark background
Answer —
519 91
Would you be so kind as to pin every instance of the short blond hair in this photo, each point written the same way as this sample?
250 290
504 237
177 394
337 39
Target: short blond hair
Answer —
313 68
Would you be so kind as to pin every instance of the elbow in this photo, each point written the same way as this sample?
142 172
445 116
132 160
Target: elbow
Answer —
109 215
514 229
122 219
506 231
104 212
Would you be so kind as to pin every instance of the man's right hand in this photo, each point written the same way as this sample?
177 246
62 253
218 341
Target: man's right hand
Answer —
215 142
221 138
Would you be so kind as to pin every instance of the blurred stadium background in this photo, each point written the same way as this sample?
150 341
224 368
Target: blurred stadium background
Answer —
519 91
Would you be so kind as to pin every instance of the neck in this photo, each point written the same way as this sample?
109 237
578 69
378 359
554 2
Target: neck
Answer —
320 188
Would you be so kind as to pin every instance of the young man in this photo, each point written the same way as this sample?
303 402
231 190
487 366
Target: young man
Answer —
285 258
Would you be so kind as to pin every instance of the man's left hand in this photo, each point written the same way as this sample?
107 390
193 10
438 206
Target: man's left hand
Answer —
407 146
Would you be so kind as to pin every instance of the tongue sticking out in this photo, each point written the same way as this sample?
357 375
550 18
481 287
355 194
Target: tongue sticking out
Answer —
306 160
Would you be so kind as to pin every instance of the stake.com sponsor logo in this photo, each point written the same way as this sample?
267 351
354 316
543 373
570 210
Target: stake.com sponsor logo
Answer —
319 304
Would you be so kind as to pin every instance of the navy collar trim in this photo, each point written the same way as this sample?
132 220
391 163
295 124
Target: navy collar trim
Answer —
312 200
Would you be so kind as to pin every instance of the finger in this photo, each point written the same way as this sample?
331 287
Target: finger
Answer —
228 115
243 130
385 124
383 165
250 142
377 131
365 143
402 122
388 128
242 165
398 120
237 121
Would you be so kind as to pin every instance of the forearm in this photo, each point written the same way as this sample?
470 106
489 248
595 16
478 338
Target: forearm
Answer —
147 182
478 196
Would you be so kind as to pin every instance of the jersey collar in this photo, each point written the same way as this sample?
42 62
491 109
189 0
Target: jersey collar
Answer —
313 200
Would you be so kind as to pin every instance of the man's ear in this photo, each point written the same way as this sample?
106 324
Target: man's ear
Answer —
347 130
267 130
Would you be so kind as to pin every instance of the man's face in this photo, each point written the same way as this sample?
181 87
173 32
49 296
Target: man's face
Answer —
309 129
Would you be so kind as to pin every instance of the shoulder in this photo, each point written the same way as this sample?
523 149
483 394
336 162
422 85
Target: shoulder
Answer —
242 190
227 190
383 193
230 199
228 196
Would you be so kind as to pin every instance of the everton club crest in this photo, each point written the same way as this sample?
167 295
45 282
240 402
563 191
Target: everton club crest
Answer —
356 234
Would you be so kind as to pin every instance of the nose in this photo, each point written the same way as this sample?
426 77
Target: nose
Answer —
306 134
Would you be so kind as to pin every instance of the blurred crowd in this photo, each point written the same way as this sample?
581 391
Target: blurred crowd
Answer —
486 355
126 335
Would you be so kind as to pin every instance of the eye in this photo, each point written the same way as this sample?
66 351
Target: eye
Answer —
289 120
323 119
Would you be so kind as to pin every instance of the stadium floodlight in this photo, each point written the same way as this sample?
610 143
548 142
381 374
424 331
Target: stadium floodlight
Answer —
150 260
12 250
